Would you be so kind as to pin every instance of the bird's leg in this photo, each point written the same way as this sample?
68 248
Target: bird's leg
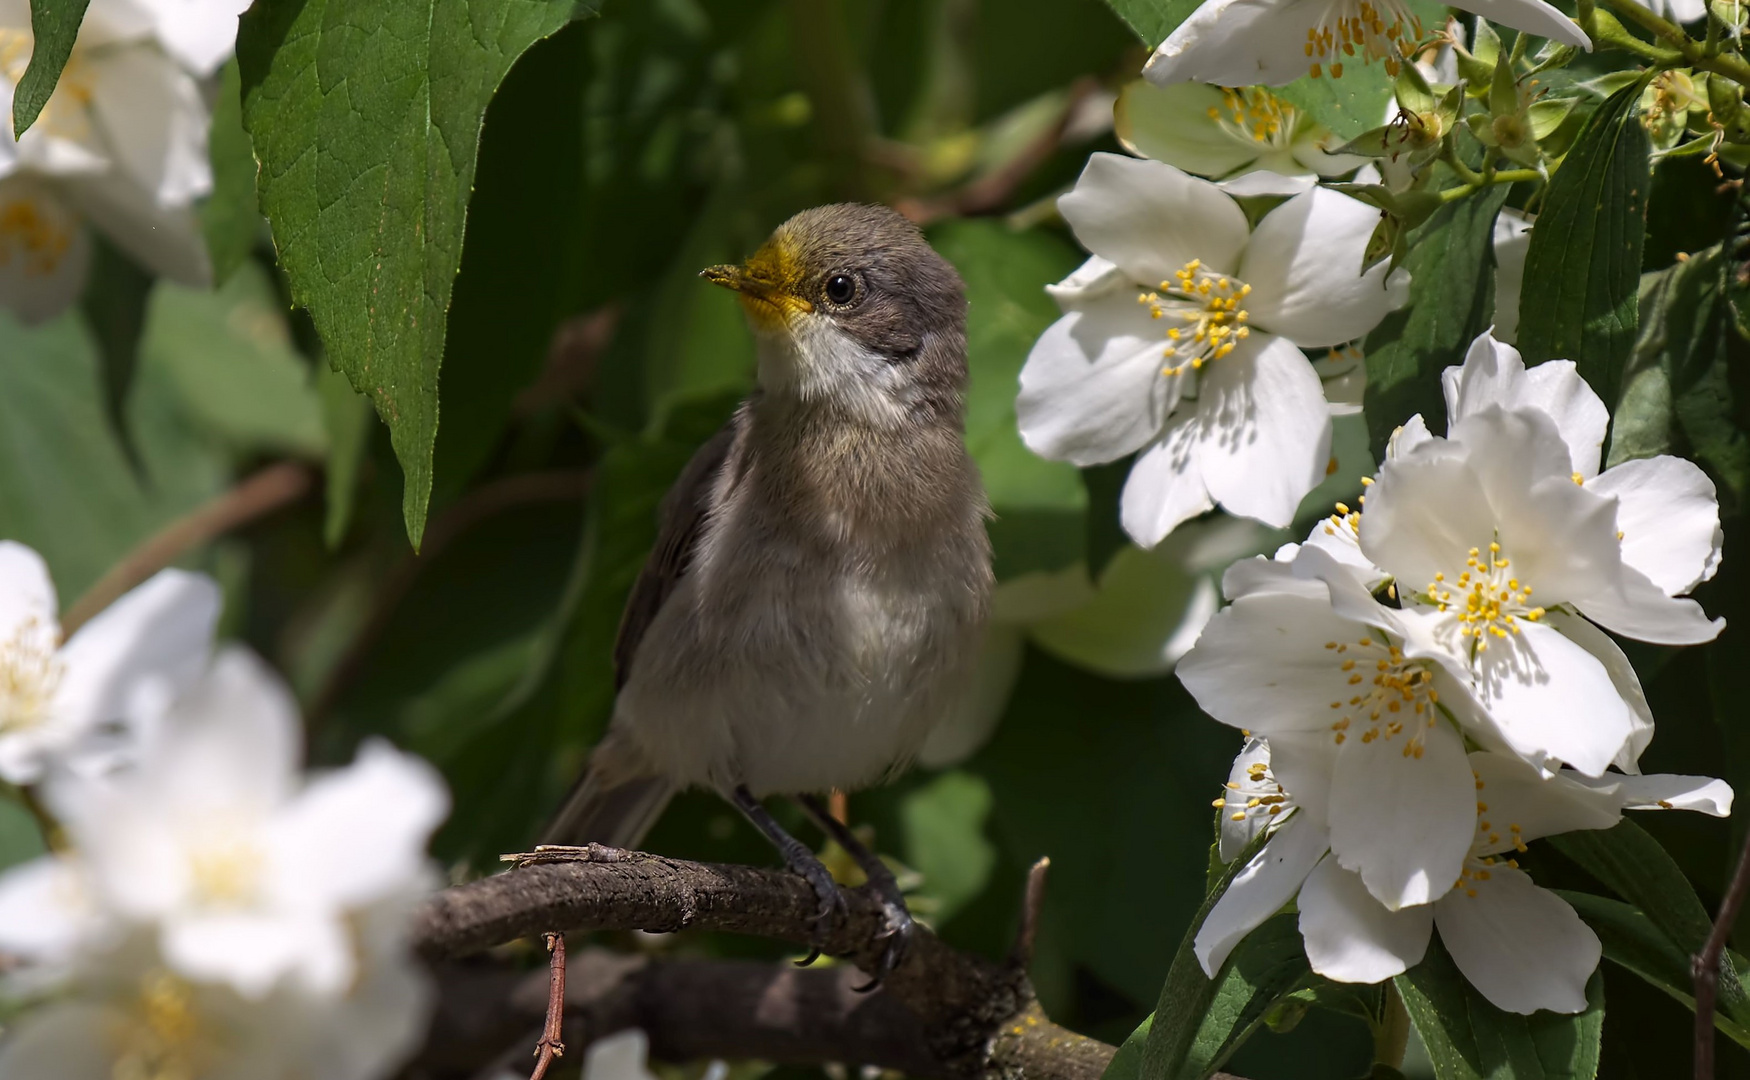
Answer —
801 861
899 921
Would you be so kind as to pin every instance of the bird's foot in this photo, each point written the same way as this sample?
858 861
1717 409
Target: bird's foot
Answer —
801 862
899 928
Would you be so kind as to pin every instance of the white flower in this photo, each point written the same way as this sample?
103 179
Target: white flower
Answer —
1182 340
1273 42
200 34
1683 11
1524 948
1265 145
1341 686
121 144
59 701
1512 242
130 1015
250 877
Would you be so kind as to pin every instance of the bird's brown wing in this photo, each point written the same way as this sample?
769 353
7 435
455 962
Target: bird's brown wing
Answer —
685 510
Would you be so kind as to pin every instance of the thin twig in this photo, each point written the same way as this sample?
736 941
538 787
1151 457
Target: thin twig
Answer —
1705 967
268 490
552 1045
1021 955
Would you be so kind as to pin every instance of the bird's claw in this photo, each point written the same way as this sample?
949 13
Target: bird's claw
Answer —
832 905
896 936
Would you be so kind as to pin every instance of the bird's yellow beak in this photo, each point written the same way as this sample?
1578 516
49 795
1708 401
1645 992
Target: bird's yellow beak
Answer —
767 285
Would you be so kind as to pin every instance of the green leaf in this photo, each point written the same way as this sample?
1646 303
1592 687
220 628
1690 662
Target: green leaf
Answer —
114 303
1266 967
230 219
1469 1039
1632 941
346 417
366 116
1347 106
1188 994
1126 1064
1041 506
21 838
1152 20
1583 268
1452 300
1637 867
944 827
54 24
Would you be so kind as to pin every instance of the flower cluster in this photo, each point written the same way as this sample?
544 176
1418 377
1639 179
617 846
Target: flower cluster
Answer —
207 911
1405 749
121 146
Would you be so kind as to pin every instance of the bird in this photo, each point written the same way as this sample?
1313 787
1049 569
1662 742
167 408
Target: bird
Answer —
814 603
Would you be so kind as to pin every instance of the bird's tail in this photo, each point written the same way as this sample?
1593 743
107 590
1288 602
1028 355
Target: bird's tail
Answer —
612 803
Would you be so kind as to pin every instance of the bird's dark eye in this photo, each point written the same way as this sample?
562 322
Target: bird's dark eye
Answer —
841 289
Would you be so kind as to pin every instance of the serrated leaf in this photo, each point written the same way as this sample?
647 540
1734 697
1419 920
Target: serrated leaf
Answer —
1187 994
1152 20
365 116
1469 1039
1452 299
1637 867
1346 106
230 219
1632 941
1582 271
54 25
1264 969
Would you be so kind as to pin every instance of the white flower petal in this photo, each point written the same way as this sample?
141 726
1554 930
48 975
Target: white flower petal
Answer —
1517 802
1637 608
1233 835
1264 429
1552 701
1093 278
358 834
1304 266
1165 486
1665 791
27 595
1403 822
1303 762
1622 676
46 257
1411 434
155 121
1262 664
1669 516
46 911
1259 891
1092 388
1534 17
618 1057
1152 219
1267 182
1238 43
1494 375
134 657
1350 936
252 951
165 240
1522 946
1512 243
1172 124
198 33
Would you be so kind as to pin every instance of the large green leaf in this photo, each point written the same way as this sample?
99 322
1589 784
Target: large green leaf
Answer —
1188 995
1452 300
1153 20
1638 868
1041 505
1126 1064
366 116
1470 1039
1346 106
944 827
1631 940
54 24
1582 272
1264 968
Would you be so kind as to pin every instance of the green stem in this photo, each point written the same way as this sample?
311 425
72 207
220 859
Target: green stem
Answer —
1505 176
53 838
1731 65
1392 1037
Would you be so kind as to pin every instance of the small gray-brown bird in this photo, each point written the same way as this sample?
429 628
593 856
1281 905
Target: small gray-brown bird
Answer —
814 602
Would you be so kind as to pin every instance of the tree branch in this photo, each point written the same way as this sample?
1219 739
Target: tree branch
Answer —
263 493
1704 967
943 1013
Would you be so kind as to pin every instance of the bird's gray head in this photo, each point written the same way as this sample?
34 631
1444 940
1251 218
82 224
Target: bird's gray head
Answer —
852 307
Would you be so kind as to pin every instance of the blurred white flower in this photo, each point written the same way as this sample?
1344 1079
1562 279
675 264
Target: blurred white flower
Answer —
1182 340
1682 11
1262 144
60 702
1523 947
1512 242
127 1014
199 34
1273 42
249 876
121 145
